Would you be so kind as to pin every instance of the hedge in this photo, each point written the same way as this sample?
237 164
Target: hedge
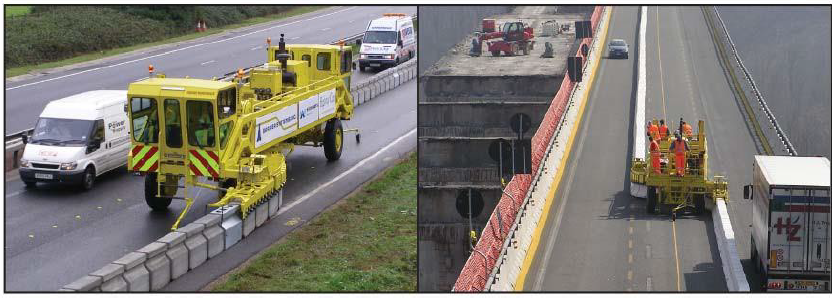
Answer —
52 33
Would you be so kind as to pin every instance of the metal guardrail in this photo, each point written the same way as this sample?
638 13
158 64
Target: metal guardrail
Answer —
753 85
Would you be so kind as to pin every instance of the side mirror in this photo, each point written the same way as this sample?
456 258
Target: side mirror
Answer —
748 192
354 67
25 138
400 43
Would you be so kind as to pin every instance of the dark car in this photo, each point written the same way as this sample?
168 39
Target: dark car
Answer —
619 49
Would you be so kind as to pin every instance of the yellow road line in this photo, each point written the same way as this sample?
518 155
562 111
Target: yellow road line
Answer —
527 262
661 73
676 253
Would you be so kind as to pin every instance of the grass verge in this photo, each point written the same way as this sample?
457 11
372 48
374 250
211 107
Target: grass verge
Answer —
366 242
17 10
16 71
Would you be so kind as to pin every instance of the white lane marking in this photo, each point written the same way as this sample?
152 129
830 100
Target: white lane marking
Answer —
325 29
176 50
207 62
350 21
15 194
141 79
256 48
343 174
294 38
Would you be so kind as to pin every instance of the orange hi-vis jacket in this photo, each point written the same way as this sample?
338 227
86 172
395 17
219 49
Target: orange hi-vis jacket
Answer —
655 157
654 131
663 132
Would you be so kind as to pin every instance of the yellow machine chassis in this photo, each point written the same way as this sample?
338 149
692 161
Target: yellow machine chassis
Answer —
680 191
259 171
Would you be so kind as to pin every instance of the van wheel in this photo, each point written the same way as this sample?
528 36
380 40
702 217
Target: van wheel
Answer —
333 139
409 55
150 188
89 178
30 184
495 53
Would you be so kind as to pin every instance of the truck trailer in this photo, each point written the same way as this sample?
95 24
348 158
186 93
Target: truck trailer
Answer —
790 223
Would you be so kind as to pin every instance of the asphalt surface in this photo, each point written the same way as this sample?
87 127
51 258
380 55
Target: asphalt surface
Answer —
55 233
599 238
201 58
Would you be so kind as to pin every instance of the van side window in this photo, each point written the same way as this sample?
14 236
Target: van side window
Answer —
173 124
144 120
226 103
323 61
98 131
308 59
200 124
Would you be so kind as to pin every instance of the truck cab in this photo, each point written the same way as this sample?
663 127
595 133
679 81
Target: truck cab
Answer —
790 241
387 42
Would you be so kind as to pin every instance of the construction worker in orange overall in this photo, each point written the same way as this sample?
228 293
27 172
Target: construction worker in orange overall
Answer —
687 129
679 147
655 156
652 131
663 131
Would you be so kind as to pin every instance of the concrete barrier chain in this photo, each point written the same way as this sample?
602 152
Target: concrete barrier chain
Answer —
780 134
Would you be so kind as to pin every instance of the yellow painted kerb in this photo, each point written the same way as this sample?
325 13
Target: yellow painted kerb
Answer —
527 262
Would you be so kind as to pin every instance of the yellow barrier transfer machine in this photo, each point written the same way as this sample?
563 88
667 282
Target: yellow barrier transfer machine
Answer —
238 133
672 193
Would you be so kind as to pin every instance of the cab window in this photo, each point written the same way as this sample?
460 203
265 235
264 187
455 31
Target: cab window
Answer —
173 124
225 130
308 59
226 103
346 61
200 124
323 60
144 120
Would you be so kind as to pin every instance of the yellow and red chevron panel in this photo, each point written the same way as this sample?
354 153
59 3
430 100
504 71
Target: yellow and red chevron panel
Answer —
143 158
204 163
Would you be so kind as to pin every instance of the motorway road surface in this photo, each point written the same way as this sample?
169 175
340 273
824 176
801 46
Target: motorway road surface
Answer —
599 238
56 234
201 58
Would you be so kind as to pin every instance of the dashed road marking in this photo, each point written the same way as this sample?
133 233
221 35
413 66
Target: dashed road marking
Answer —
648 253
325 29
649 283
256 48
631 230
630 258
630 275
294 38
141 79
208 62
630 243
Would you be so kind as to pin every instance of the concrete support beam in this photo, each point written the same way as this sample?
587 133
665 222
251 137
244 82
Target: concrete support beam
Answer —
157 264
196 243
111 277
136 275
231 224
262 214
176 252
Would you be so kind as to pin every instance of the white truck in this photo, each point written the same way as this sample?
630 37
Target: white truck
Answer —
77 138
790 238
388 41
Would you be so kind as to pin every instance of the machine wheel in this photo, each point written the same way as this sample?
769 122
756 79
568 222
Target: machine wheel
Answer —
155 203
699 203
89 178
30 184
333 139
651 200
495 53
362 67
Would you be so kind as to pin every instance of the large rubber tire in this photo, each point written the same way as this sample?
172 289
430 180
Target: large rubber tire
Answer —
88 181
333 139
699 203
30 184
155 203
651 200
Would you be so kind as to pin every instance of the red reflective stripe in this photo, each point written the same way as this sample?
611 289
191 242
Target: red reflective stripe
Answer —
153 167
195 170
204 164
213 156
136 150
147 156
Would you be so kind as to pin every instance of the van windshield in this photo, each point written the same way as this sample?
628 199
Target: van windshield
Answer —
61 132
379 37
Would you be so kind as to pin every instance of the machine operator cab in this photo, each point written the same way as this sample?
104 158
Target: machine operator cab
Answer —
314 63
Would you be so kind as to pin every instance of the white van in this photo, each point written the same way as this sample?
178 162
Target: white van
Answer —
388 41
76 139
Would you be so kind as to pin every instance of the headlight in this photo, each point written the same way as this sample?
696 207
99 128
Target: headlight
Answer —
69 166
24 163
389 57
363 56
